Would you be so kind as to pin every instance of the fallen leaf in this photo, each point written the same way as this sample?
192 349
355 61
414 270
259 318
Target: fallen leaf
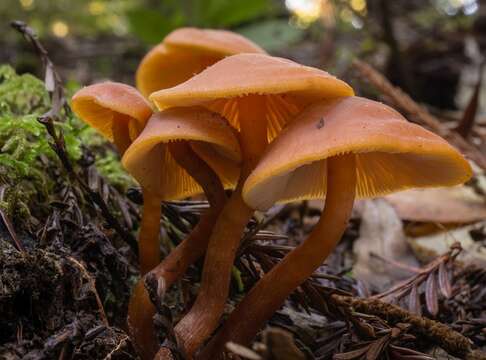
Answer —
459 205
431 296
429 247
381 233
414 301
444 283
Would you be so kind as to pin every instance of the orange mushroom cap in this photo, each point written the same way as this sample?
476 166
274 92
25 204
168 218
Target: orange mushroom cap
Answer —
392 154
109 107
149 160
287 87
185 52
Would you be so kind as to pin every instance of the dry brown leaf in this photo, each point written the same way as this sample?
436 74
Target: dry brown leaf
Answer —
381 233
460 205
444 283
429 247
431 296
376 348
414 301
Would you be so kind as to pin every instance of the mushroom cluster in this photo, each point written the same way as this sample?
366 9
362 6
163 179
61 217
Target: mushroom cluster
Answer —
229 116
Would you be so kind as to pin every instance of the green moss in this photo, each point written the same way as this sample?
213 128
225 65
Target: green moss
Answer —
28 165
111 169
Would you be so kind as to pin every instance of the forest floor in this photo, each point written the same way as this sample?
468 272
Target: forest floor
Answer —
407 281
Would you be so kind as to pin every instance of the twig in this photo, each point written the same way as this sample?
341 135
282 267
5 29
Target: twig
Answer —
411 269
450 340
423 272
466 124
55 89
92 286
405 102
119 346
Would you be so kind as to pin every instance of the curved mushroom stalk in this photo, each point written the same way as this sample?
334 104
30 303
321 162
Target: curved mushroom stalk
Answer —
204 315
140 322
149 233
141 310
270 292
165 146
193 247
380 153
258 94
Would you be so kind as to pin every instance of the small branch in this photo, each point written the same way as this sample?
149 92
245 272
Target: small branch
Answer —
423 273
119 346
450 340
92 286
411 269
466 125
406 103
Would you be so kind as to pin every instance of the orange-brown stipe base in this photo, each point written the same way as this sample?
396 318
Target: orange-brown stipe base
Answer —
148 237
203 318
271 291
140 322
141 310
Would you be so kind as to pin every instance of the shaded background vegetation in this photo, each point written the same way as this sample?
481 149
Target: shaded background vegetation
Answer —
423 44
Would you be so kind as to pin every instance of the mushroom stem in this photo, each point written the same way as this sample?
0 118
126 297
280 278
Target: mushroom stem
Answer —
194 246
182 152
140 309
140 322
148 238
273 288
121 134
203 318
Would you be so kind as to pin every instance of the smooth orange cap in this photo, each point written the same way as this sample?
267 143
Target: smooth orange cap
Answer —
286 86
185 52
149 160
392 154
111 107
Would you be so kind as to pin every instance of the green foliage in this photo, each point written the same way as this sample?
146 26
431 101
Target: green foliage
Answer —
21 94
83 17
224 13
25 153
152 22
109 166
273 34
23 139
28 164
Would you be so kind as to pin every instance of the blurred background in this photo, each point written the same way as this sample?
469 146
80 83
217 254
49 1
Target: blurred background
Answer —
431 48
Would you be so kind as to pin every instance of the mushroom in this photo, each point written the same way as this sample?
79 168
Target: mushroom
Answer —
185 52
117 111
163 161
151 163
258 94
338 150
